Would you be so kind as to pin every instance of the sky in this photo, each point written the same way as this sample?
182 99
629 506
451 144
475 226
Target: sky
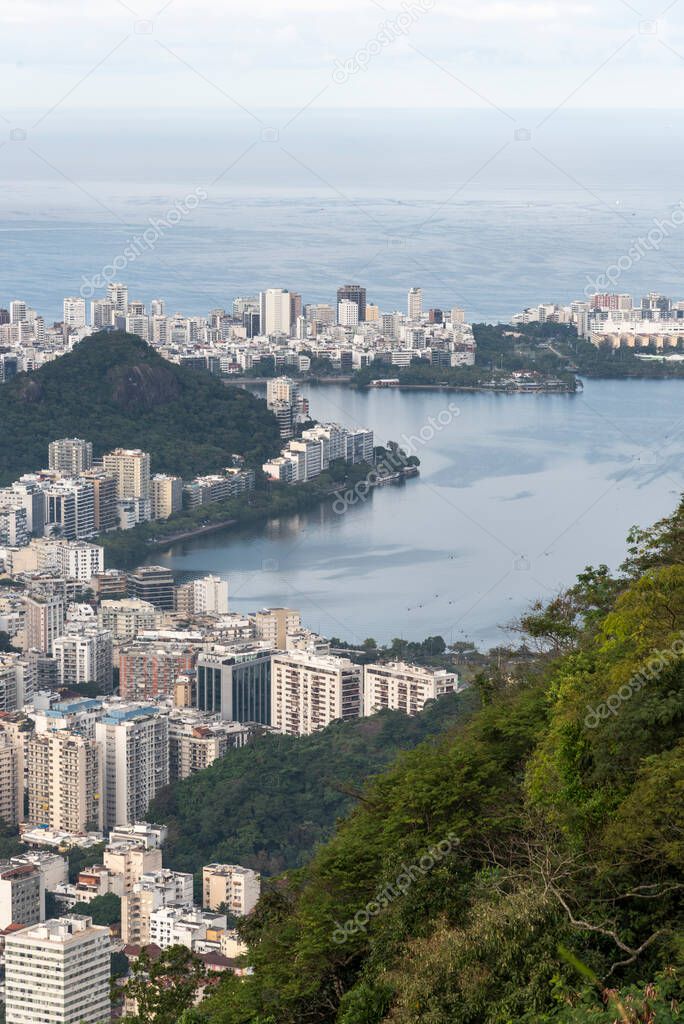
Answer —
250 55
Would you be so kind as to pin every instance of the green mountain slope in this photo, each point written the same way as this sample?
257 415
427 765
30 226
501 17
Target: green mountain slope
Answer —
528 866
268 805
113 389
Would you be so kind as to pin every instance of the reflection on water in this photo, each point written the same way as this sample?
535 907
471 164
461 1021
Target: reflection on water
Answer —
515 496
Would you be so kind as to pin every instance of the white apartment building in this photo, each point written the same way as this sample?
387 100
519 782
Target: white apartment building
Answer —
117 294
64 782
134 740
274 310
130 467
158 889
205 596
126 618
74 311
309 691
58 972
84 655
72 560
347 313
415 303
70 508
230 886
403 687
182 926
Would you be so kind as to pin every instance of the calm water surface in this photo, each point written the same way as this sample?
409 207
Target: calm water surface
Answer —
516 495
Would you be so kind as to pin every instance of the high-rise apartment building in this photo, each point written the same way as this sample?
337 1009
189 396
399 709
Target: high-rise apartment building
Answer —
105 509
230 886
74 311
45 615
70 508
70 455
64 781
273 624
58 972
403 687
347 313
130 467
166 495
126 618
84 655
11 778
22 895
101 311
157 889
415 303
117 294
353 293
134 741
148 670
205 596
275 311
309 691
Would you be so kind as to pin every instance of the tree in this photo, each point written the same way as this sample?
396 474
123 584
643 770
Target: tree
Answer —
164 988
104 910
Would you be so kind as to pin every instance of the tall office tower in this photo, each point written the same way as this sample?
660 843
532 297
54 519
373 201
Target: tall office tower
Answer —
70 455
152 583
64 781
18 312
232 886
130 467
44 621
22 895
4 316
273 624
166 495
347 313
457 315
134 741
74 311
309 691
58 972
295 308
70 508
105 508
157 307
235 684
274 311
101 313
118 296
353 293
84 655
415 303
11 777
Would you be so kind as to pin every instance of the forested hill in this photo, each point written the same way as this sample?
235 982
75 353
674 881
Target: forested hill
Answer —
114 390
526 867
268 805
